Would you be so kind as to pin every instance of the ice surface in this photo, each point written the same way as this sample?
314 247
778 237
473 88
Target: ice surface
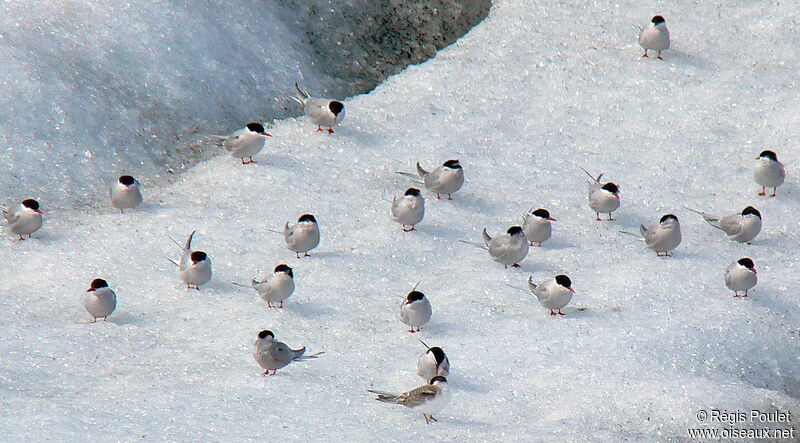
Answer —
524 98
93 89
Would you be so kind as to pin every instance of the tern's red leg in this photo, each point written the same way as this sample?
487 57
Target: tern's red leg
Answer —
433 418
95 320
610 218
412 330
269 304
306 255
659 56
552 312
330 130
763 191
21 238
645 53
516 265
427 420
298 254
438 196
561 313
598 216
281 306
319 128
774 193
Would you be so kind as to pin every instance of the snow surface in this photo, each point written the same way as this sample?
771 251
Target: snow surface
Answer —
525 97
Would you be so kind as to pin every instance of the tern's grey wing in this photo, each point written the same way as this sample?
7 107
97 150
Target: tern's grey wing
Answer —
395 206
418 396
281 353
643 230
728 272
730 224
434 177
12 217
444 368
317 108
234 142
650 235
185 258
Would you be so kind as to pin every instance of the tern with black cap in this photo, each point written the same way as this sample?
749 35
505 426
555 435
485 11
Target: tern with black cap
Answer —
24 218
742 227
194 268
278 288
769 172
303 236
603 197
322 111
741 275
554 294
100 301
655 36
536 226
428 399
125 193
272 355
509 248
409 209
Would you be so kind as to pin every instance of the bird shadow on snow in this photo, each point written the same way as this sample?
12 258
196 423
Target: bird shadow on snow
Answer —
770 301
473 384
553 243
681 58
309 309
280 161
